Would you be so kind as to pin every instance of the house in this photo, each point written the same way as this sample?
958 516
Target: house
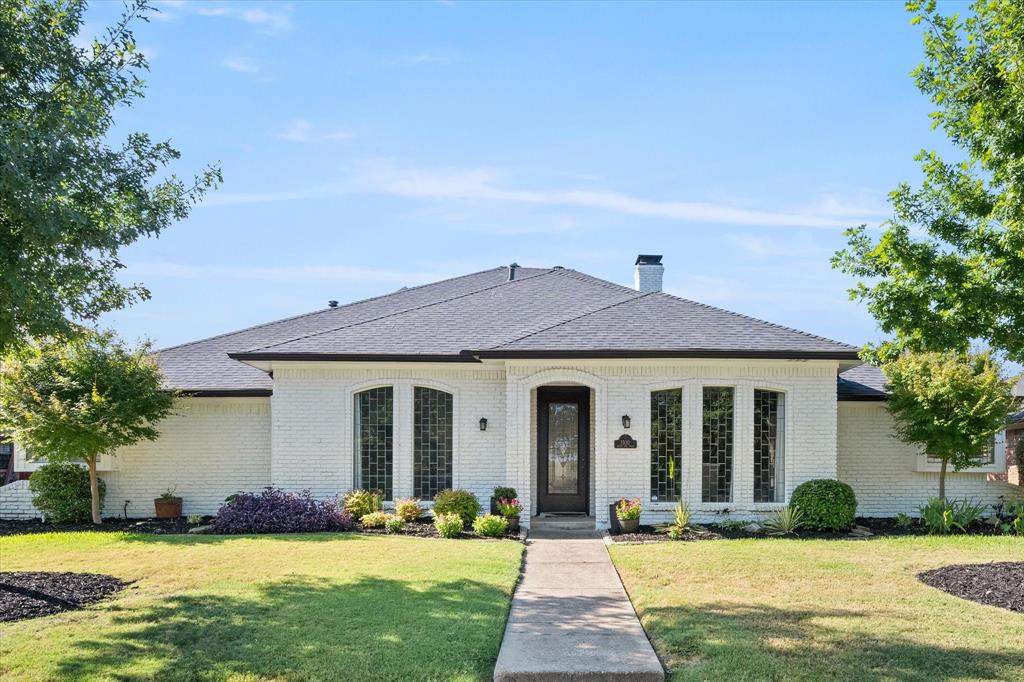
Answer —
574 390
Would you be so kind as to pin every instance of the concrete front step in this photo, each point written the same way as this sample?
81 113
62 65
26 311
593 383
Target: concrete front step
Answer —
555 522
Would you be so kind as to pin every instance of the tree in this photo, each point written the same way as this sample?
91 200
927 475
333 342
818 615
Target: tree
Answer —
948 268
72 401
950 404
69 197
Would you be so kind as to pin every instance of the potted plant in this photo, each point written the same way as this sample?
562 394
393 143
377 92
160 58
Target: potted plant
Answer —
628 514
509 508
168 506
501 493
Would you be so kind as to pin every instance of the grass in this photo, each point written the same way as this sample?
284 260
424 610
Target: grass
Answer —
817 609
241 609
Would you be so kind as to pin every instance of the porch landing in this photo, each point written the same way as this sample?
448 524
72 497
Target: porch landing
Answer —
571 617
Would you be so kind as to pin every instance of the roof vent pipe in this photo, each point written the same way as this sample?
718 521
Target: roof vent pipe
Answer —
512 271
332 304
649 272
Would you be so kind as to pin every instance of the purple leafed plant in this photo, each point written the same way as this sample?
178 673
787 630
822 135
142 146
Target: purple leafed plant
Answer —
275 511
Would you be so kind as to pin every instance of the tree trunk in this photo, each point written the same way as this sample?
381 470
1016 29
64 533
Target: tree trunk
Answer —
942 479
94 491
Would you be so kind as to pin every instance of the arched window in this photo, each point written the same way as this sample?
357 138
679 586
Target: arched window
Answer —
432 428
667 445
374 435
769 446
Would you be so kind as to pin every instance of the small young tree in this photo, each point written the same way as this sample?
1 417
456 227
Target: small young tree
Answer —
951 404
72 401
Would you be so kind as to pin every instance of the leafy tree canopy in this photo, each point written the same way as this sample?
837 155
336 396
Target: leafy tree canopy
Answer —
75 400
950 404
948 268
70 197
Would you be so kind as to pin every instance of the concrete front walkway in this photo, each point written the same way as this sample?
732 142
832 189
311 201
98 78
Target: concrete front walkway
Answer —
571 618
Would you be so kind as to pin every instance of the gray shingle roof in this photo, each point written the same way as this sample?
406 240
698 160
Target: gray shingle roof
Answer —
550 312
864 382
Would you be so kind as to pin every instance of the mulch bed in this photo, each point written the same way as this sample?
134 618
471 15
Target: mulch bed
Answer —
111 525
425 529
33 594
997 584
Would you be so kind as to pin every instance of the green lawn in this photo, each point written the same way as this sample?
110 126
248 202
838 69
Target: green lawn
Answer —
817 610
300 607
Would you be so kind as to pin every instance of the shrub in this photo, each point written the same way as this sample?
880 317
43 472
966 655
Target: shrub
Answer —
628 509
448 525
62 492
509 507
1011 515
904 520
408 510
461 502
826 504
359 503
276 511
394 523
682 521
942 517
784 521
505 493
491 525
194 519
375 519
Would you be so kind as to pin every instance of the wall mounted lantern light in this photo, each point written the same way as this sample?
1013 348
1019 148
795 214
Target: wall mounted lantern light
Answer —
625 421
483 423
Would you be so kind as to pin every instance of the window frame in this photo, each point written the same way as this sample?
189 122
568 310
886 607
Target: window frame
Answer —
681 442
733 450
453 424
782 434
357 473
926 464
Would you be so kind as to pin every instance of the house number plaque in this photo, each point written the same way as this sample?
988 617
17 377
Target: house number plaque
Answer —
625 441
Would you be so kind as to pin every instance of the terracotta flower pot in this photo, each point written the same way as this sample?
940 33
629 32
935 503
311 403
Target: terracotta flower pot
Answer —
629 525
167 507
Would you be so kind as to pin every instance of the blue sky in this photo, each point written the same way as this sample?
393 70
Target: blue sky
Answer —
367 147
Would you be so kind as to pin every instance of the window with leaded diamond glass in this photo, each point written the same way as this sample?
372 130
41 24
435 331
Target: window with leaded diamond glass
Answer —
769 446
666 445
432 441
374 445
717 444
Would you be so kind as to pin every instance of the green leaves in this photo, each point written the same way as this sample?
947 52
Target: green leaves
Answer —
75 400
948 268
69 198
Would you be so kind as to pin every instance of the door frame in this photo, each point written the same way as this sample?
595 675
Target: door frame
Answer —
580 502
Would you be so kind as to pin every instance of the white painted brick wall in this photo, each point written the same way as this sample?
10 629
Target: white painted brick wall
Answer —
882 469
16 502
209 449
313 424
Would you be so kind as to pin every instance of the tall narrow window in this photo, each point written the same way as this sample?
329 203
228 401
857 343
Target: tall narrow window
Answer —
717 436
666 445
432 442
769 446
374 439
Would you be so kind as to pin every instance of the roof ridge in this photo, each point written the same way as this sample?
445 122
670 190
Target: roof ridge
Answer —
596 280
401 312
756 319
571 319
326 310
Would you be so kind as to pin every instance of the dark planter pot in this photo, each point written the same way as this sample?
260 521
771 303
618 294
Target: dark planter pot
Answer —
494 505
513 524
613 520
629 525
167 507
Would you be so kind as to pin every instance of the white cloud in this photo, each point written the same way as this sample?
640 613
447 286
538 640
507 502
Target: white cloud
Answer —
272 17
770 247
240 64
301 130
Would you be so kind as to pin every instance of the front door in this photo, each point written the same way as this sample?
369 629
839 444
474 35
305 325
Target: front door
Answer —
563 449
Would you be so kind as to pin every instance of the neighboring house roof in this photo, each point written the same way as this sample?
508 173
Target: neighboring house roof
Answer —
541 312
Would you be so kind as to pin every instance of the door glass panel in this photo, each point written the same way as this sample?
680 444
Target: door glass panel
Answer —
563 448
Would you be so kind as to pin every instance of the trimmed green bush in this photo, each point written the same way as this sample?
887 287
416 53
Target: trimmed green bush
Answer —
826 504
461 502
374 519
394 523
409 510
359 503
62 492
491 525
448 525
505 493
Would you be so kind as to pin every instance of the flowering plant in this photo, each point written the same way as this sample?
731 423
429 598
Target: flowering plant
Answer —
628 509
509 508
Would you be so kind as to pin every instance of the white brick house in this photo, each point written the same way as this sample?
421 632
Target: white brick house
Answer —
571 389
